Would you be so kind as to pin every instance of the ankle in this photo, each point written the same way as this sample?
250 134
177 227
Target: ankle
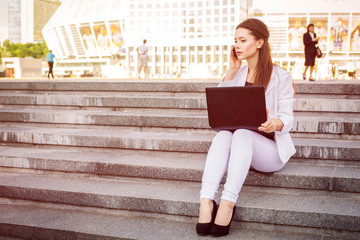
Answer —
205 211
224 214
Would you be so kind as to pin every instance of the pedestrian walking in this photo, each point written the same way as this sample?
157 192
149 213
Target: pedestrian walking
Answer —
50 59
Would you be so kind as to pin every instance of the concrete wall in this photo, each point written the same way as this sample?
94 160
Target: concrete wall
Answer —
23 67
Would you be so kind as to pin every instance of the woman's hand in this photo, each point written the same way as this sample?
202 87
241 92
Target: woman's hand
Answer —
235 62
271 125
235 65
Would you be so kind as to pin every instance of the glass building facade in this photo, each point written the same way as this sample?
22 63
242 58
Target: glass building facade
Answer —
14 21
26 19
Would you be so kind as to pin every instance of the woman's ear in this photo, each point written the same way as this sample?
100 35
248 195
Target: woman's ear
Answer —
260 43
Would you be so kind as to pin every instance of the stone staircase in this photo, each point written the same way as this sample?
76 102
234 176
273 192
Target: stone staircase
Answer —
105 159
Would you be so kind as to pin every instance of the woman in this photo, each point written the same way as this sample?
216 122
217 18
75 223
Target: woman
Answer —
239 151
310 40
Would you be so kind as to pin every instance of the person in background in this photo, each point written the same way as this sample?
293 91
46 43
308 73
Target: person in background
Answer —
333 70
50 59
351 69
310 40
237 151
143 58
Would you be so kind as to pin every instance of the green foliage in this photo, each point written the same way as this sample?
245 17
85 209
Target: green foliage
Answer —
35 50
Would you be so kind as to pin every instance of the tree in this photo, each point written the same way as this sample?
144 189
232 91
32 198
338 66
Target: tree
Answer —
35 50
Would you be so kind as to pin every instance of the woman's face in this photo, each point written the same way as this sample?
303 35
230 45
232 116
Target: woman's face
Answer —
311 29
245 44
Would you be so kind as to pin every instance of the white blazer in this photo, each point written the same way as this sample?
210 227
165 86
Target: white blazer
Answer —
279 100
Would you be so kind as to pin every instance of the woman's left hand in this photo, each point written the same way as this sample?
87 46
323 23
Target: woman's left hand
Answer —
271 125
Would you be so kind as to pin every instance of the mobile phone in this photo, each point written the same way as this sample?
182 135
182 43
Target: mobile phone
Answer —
234 51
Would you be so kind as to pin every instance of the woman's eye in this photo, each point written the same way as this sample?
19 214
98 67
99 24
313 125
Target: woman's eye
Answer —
243 41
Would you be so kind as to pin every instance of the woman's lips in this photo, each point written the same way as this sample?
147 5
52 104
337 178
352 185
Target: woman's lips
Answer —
238 53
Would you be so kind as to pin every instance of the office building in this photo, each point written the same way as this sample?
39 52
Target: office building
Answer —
21 21
183 36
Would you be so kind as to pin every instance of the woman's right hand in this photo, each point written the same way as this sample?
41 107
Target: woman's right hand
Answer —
235 62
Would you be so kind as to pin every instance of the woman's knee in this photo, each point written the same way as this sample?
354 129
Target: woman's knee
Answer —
223 137
242 135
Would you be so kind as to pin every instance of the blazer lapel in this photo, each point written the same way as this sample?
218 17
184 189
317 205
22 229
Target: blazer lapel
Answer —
271 83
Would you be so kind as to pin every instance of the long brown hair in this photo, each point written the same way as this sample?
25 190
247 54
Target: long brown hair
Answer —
264 65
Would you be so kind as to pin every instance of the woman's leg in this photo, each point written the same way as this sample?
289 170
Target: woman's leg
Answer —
247 148
311 72
304 73
215 167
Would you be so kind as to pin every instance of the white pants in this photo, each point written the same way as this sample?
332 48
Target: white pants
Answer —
236 152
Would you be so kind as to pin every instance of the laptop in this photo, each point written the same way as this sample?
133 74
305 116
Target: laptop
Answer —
232 108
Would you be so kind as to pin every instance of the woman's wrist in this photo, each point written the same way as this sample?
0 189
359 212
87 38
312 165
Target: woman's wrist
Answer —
230 74
279 124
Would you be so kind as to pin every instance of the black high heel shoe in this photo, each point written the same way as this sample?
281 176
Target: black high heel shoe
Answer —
220 231
204 228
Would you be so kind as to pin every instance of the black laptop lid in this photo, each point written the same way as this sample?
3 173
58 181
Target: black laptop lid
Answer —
231 108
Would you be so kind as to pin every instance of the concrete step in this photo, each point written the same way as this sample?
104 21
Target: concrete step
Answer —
326 123
105 101
175 166
178 118
329 87
332 87
158 139
140 100
307 104
50 221
105 85
308 208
